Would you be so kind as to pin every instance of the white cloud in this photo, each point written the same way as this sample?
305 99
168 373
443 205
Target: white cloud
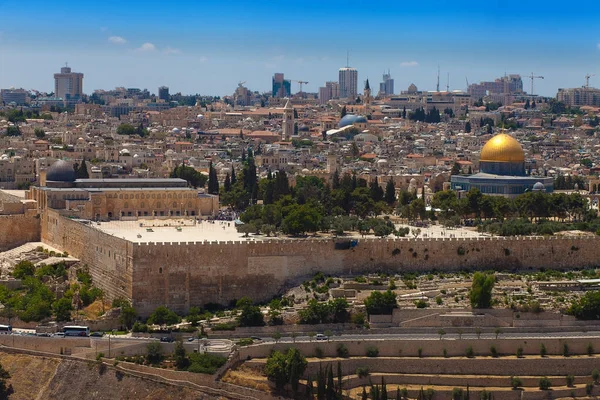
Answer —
409 64
203 59
146 47
117 40
170 50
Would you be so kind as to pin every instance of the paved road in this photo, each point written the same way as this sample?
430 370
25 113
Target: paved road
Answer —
449 336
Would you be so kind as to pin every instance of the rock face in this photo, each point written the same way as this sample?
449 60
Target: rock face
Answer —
35 377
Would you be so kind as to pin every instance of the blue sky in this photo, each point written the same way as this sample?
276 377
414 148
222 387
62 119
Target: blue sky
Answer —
200 47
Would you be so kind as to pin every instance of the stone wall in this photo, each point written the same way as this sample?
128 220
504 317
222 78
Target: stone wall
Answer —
181 275
16 230
108 257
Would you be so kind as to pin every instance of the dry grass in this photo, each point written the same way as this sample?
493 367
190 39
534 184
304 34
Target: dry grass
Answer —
94 310
247 377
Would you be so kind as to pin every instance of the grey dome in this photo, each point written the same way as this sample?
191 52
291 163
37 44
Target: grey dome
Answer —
61 171
539 187
350 119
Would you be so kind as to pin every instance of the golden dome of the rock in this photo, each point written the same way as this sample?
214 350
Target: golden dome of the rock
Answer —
502 148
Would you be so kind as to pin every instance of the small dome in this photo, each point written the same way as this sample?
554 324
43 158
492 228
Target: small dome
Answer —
303 128
502 148
351 119
61 171
412 88
124 152
175 130
539 187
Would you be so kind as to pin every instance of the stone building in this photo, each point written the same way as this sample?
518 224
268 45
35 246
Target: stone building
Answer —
106 199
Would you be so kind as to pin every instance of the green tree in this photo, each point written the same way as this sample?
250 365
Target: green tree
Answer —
179 354
153 352
23 269
481 290
455 169
343 112
163 316
390 192
251 315
381 302
126 129
587 307
468 127
39 133
6 388
213 182
193 177
285 368
62 309
301 219
127 315
82 171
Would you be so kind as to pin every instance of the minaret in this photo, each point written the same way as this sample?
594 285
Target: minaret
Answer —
367 97
288 121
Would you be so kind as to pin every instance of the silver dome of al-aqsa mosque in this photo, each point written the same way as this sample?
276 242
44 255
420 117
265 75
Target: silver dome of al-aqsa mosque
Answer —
61 171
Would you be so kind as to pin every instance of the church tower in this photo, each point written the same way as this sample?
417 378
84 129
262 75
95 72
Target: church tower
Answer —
288 121
367 97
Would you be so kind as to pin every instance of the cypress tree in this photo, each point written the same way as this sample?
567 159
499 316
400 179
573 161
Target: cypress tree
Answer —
213 182
364 396
227 183
321 383
390 192
335 183
331 395
309 388
383 394
339 379
233 178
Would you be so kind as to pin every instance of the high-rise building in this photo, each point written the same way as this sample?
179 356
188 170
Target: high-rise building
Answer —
163 93
334 88
511 84
386 88
348 83
281 86
583 96
17 96
68 85
324 94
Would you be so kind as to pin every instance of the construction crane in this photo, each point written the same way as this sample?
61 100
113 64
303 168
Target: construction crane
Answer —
587 80
532 77
241 83
467 83
300 83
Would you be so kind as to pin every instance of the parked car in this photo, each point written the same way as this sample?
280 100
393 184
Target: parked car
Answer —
59 334
320 336
96 334
167 339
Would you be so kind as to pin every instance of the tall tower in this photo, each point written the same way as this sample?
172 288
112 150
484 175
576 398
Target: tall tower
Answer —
68 85
367 97
288 121
348 80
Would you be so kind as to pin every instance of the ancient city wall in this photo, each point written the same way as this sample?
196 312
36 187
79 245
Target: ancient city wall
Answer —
16 230
181 275
109 258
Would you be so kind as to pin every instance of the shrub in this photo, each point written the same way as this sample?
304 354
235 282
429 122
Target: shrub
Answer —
545 383
595 375
470 353
590 350
565 350
421 304
99 356
457 394
589 388
519 352
438 300
543 351
494 351
362 372
205 363
515 382
445 352
372 351
342 350
245 342
570 380
319 352
420 352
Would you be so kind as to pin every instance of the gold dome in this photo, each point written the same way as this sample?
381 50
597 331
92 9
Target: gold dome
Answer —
502 148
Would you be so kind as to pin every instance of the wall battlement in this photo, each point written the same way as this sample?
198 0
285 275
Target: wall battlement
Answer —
185 274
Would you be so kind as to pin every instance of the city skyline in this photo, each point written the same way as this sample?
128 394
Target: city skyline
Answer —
209 49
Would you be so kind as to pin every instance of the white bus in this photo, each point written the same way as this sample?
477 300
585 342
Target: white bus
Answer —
76 330
5 329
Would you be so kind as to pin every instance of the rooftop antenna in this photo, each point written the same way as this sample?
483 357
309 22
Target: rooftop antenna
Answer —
448 83
438 80
348 59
